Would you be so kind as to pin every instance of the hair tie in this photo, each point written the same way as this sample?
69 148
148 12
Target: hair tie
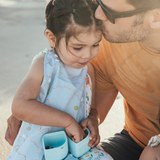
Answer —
53 2
74 10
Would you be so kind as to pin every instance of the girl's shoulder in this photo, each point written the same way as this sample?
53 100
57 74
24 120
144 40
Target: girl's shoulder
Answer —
40 56
50 55
46 55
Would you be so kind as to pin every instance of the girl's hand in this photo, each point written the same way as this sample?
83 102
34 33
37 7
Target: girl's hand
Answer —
92 124
75 132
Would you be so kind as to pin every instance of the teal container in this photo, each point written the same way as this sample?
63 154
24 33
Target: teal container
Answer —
80 148
55 145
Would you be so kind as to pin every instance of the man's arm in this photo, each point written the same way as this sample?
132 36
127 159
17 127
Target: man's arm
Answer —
104 102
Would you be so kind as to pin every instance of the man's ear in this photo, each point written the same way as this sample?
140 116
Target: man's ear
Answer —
155 20
51 38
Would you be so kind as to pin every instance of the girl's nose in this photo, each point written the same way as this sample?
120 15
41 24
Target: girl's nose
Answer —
99 14
87 54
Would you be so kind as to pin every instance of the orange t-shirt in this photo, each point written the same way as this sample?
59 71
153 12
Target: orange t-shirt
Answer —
135 73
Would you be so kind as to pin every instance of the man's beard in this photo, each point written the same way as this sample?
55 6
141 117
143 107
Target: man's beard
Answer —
135 33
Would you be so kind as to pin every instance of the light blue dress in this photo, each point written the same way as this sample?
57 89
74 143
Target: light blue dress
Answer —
66 89
63 87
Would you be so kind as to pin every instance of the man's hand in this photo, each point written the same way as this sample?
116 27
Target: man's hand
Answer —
12 129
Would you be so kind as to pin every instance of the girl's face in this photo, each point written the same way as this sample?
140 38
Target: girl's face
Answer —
80 50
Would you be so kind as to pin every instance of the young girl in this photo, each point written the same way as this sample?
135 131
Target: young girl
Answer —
56 93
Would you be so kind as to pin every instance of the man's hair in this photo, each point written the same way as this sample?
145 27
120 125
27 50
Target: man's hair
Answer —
144 3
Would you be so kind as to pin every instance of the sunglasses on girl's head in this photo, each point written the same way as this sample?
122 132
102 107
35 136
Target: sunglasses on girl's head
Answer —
112 15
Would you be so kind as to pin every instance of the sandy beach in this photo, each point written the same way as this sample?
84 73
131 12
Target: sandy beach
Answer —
21 38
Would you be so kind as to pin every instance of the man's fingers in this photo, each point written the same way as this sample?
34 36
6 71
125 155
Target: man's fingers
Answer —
84 124
94 141
13 126
93 134
8 137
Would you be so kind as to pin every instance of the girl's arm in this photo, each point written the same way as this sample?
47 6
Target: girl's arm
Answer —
25 106
93 121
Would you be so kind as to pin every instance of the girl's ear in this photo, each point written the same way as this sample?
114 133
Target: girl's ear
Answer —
51 38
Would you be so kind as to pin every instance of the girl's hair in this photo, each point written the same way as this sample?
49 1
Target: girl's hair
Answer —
144 3
66 18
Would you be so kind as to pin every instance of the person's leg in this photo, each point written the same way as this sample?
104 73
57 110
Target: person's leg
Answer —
96 153
122 147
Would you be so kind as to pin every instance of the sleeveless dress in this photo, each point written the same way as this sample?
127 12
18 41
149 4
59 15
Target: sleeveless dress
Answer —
63 87
67 89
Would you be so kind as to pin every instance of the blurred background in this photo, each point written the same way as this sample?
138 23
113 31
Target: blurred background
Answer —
22 36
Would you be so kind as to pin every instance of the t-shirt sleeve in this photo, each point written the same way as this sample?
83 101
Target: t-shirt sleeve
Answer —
102 64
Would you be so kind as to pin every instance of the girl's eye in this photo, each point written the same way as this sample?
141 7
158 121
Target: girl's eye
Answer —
96 45
77 49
